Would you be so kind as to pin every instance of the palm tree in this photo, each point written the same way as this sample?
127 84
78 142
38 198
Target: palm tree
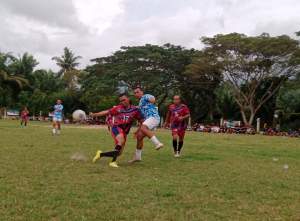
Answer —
24 65
10 83
15 81
67 62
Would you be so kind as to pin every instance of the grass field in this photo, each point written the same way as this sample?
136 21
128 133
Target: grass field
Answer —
219 177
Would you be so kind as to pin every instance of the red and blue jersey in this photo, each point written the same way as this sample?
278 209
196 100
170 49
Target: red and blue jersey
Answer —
177 111
124 117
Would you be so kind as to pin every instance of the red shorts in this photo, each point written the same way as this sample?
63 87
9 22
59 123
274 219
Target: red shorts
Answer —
25 118
115 131
178 131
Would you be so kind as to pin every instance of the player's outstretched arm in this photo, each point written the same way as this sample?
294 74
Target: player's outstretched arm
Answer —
100 114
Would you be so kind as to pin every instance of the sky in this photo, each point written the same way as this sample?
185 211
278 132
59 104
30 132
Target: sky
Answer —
96 28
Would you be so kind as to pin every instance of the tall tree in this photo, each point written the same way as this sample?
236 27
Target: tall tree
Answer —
156 68
248 62
68 64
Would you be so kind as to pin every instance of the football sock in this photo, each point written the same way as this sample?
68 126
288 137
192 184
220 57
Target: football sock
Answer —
154 140
175 145
114 153
138 154
180 145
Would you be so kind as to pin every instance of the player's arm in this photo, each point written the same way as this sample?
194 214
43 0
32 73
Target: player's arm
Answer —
150 98
167 121
100 114
186 115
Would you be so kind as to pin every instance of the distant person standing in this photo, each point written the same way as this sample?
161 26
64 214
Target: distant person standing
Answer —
24 116
57 117
176 118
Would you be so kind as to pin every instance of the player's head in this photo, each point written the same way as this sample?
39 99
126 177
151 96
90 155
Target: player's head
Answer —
124 100
177 99
58 101
138 92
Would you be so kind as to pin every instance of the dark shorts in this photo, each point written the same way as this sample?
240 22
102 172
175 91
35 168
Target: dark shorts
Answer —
115 131
178 129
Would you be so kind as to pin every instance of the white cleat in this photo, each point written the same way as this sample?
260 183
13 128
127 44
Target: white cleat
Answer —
159 146
177 154
134 160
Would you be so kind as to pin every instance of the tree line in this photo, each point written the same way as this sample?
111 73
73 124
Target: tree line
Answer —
233 76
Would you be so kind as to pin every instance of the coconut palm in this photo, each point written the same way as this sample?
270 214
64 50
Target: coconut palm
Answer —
67 62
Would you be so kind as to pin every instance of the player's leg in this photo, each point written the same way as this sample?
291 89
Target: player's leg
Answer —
148 125
120 140
181 139
175 141
58 126
139 147
54 126
25 122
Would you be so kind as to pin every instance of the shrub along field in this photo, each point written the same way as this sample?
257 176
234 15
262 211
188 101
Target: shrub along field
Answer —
218 177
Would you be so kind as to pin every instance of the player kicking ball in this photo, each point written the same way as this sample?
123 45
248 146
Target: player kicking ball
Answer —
124 115
151 121
57 117
177 116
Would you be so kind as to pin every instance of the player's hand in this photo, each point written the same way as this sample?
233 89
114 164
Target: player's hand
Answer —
180 118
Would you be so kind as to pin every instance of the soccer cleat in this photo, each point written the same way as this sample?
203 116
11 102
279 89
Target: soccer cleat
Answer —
97 156
134 160
177 154
113 164
159 146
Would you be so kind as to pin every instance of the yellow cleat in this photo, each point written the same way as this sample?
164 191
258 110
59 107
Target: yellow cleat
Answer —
97 156
113 164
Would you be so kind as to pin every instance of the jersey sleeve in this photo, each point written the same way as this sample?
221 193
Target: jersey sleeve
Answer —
113 111
148 97
186 110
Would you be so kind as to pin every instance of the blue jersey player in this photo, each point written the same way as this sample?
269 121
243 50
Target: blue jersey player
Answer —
151 121
57 117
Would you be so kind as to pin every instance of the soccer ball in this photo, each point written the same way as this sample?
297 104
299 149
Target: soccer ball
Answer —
79 115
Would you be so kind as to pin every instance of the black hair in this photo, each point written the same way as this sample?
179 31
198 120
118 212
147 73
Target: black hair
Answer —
123 94
138 87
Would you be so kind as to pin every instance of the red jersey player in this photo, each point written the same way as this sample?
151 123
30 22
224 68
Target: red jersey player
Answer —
177 116
24 116
123 116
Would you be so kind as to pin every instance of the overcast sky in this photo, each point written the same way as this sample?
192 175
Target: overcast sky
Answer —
94 28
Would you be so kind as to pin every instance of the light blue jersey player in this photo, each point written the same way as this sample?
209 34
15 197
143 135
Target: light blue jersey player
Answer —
149 111
151 121
57 117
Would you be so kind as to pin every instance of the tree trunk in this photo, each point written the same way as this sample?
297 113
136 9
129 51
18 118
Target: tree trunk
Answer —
244 117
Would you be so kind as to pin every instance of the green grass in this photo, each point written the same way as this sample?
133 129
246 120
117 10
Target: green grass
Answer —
219 177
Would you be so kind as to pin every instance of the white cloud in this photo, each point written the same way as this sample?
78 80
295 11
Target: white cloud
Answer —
94 28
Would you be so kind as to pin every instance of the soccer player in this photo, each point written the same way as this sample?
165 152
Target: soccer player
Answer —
57 117
177 116
123 116
151 121
24 117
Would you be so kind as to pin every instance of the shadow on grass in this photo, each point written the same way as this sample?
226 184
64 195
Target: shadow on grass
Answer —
199 157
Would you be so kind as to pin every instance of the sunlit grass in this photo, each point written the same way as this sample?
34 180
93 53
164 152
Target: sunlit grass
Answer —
219 177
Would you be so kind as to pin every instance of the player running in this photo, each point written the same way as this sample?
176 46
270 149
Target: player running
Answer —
57 117
123 117
24 117
177 116
151 121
